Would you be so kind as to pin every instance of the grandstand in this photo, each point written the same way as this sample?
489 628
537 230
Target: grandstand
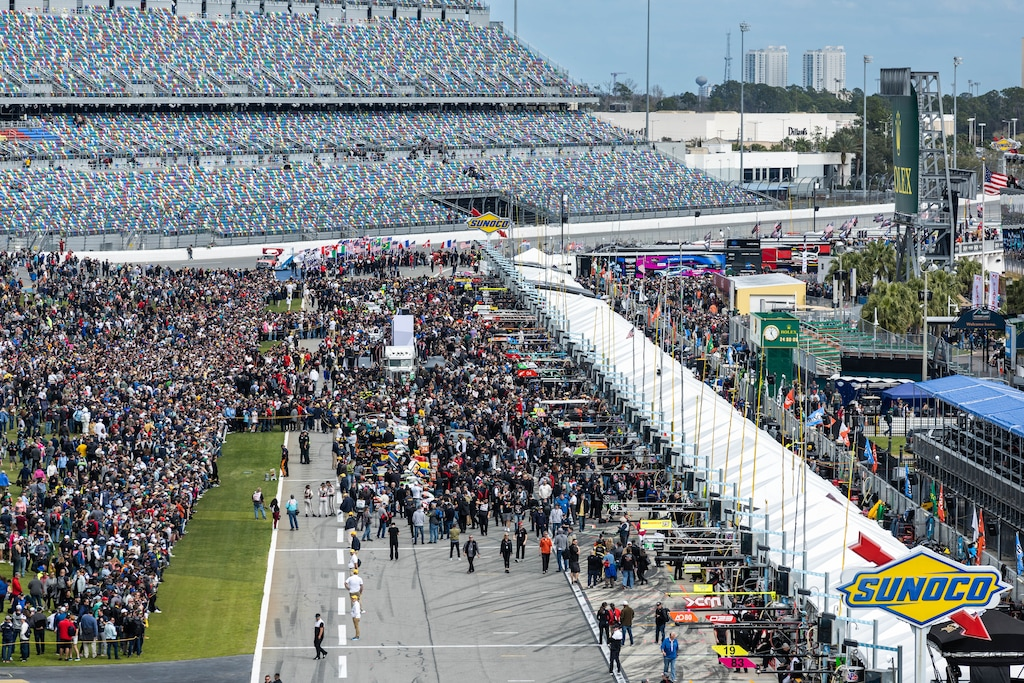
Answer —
127 125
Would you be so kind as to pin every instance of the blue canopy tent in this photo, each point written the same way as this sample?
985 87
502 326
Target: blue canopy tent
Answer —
908 393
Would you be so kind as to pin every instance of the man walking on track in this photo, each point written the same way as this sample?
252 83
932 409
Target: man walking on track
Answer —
393 533
318 637
506 550
471 550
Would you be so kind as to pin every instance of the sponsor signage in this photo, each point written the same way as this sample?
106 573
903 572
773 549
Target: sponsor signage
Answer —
704 602
488 222
722 619
660 524
683 617
729 650
906 151
780 333
924 588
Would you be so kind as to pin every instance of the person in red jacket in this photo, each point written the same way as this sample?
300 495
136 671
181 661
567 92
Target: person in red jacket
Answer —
66 631
545 551
15 589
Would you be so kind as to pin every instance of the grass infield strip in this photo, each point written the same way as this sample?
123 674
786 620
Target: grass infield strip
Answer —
212 590
211 593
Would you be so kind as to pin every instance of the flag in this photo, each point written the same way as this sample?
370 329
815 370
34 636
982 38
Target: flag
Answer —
934 498
756 232
777 230
790 400
974 525
869 456
942 503
656 314
1020 556
816 418
994 182
707 241
906 485
993 290
474 213
844 434
978 290
629 335
874 458
981 534
502 233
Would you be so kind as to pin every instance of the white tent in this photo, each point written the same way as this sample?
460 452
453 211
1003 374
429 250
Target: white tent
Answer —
814 515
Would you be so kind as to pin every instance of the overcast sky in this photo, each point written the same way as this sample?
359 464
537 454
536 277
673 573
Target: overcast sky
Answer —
592 38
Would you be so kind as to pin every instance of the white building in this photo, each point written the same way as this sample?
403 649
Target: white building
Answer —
825 69
769 65
766 129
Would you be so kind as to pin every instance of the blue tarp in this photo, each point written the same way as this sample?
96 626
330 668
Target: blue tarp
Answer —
993 402
908 393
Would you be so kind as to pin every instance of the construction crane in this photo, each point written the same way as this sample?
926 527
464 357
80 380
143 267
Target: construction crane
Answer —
615 77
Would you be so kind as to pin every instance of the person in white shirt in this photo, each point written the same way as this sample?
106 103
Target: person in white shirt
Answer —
354 584
356 613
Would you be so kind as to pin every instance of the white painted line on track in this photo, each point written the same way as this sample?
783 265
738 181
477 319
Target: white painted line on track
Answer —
341 580
342 635
341 535
341 556
261 632
341 605
342 666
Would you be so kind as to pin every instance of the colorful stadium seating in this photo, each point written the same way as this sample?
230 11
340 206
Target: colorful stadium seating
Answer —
258 132
346 198
125 52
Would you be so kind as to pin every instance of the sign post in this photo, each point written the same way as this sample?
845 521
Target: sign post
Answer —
923 588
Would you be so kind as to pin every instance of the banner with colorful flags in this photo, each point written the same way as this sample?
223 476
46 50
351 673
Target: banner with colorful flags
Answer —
816 418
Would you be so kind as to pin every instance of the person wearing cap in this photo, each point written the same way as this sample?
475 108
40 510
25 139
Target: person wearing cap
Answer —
25 635
661 618
356 613
354 583
354 541
319 630
614 650
8 635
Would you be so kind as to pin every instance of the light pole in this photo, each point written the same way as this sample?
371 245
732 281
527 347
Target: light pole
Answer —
744 27
957 61
1006 128
564 217
981 136
814 207
1014 133
647 115
970 131
864 125
515 19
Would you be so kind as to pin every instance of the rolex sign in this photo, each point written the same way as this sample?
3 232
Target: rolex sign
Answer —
905 152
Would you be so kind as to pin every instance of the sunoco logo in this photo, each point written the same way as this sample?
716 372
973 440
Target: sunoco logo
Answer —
488 222
923 588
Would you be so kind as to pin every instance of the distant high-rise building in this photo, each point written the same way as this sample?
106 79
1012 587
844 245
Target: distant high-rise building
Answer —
769 66
825 69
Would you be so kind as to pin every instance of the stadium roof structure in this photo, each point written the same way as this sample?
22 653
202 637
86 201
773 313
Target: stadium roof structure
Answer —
991 401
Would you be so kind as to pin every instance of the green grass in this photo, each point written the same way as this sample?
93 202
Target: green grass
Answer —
266 346
883 442
212 590
282 305
211 593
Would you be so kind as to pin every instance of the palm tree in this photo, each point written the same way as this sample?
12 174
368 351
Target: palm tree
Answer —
897 306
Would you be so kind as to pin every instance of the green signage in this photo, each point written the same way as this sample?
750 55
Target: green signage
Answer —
905 151
780 333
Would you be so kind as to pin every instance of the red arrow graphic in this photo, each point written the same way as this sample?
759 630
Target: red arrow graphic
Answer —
870 551
972 625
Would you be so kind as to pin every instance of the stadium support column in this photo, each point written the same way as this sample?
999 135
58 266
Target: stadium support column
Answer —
647 115
744 27
515 18
864 126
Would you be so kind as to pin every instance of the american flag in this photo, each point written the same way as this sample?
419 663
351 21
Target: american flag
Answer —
994 182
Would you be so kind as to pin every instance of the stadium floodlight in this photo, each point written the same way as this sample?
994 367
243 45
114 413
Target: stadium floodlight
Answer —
864 124
744 27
